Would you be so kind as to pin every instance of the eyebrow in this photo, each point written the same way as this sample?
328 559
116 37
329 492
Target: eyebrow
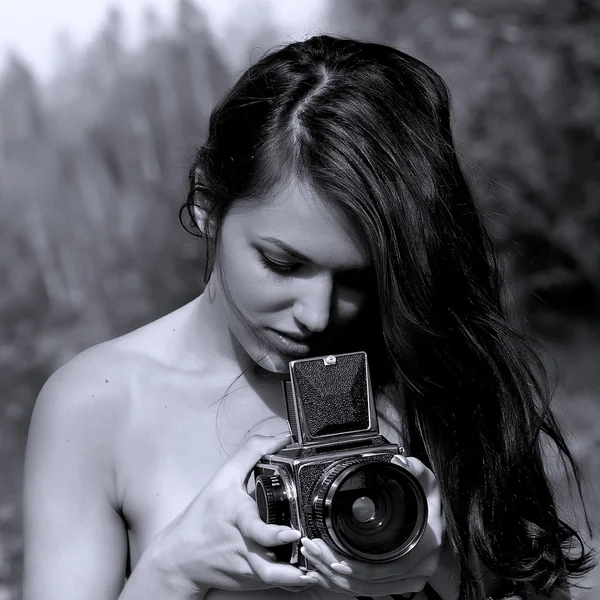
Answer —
297 254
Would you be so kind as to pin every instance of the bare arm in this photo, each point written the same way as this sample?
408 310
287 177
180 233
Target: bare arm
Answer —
75 539
149 580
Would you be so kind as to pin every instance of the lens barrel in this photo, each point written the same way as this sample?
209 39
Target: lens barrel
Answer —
372 510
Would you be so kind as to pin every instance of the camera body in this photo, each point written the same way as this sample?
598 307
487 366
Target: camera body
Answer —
335 480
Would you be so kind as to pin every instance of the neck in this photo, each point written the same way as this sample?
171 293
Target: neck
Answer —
219 346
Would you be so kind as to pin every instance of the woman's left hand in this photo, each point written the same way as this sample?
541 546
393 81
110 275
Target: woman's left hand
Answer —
407 574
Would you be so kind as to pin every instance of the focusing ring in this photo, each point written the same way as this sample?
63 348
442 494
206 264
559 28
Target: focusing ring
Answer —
271 499
323 488
321 495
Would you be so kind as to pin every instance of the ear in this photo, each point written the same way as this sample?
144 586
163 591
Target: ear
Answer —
200 207
201 218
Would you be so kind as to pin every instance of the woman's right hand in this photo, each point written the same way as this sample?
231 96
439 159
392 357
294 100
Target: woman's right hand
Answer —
220 541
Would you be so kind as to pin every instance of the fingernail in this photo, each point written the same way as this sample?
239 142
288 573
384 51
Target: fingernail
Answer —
341 568
308 579
288 535
312 560
398 458
311 546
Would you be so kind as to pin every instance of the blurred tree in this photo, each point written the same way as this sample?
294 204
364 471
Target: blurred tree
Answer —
91 179
20 108
122 172
248 43
152 24
104 58
28 182
110 41
65 49
198 69
190 19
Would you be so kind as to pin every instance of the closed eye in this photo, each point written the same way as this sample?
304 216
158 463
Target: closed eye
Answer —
280 268
353 278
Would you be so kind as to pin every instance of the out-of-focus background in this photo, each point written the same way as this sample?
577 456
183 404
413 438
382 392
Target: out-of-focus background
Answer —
101 106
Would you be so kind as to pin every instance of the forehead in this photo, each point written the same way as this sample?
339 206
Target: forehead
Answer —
309 224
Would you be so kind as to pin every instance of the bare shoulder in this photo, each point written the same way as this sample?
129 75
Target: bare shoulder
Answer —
82 404
94 379
81 377
96 383
92 392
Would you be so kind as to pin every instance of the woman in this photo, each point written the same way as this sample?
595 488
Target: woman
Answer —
337 219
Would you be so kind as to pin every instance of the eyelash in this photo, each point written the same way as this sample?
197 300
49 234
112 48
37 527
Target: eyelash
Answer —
290 268
277 267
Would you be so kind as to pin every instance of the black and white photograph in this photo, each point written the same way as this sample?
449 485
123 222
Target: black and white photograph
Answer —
301 299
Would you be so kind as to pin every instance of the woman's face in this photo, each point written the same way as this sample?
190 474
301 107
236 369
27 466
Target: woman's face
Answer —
296 269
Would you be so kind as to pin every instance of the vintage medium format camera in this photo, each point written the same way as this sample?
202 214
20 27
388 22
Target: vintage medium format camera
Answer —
335 480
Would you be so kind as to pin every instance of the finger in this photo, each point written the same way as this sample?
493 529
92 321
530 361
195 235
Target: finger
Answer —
296 589
251 451
430 485
359 587
326 583
277 574
425 475
426 568
319 553
253 528
330 562
418 562
332 579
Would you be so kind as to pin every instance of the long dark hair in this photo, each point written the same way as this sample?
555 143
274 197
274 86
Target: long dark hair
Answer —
368 128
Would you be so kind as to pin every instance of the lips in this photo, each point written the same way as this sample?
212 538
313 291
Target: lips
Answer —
286 344
294 338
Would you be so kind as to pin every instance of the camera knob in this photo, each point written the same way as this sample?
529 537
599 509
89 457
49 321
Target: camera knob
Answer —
272 501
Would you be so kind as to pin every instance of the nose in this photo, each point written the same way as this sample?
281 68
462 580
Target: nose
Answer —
313 306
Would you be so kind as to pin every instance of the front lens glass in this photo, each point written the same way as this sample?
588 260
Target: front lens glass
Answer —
375 509
364 509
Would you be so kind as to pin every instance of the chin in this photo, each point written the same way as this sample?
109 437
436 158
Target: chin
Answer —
274 363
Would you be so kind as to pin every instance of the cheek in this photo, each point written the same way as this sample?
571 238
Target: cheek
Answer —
251 286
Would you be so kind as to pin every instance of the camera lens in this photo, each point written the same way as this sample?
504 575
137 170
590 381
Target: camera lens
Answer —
364 509
371 510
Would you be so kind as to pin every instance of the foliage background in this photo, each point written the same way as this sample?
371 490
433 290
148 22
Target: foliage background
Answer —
93 167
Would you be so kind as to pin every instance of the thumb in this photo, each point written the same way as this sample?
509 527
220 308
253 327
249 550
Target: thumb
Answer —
252 450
